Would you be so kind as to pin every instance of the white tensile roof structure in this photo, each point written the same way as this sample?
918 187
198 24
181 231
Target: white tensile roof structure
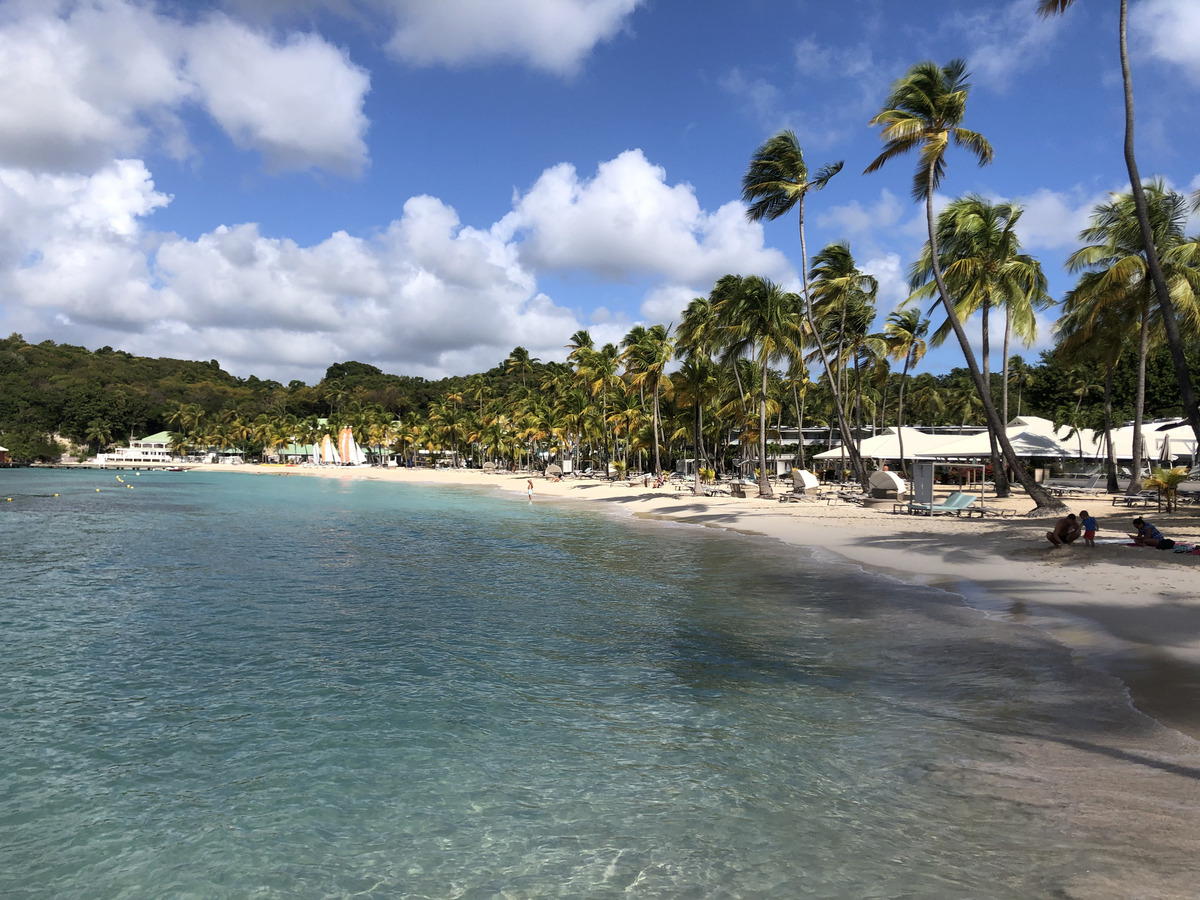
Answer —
1030 436
1164 445
887 445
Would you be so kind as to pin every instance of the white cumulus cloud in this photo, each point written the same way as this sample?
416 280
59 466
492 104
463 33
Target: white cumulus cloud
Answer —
107 78
1172 30
1053 219
628 221
1002 38
72 245
298 102
426 294
556 35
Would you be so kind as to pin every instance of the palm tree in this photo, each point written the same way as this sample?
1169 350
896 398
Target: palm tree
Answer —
603 377
1166 482
627 417
904 333
982 263
796 380
927 401
521 362
99 432
767 320
647 353
723 300
1116 283
694 385
581 344
842 298
451 426
922 113
1158 278
776 181
1021 375
697 338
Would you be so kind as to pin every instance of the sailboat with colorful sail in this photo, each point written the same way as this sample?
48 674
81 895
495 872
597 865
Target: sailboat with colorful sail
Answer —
351 453
327 452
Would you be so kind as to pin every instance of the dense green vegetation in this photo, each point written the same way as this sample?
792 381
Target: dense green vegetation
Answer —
599 399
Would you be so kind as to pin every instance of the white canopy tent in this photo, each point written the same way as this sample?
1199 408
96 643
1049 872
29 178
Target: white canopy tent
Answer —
1030 436
887 445
1159 446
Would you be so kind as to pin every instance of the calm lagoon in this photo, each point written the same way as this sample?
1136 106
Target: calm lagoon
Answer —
218 685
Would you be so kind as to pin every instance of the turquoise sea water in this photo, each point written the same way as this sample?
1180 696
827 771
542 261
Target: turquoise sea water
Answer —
219 685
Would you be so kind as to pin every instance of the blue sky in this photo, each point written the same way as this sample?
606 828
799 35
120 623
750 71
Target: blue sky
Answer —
282 184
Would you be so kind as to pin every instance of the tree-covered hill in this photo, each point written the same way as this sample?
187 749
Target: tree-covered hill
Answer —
96 399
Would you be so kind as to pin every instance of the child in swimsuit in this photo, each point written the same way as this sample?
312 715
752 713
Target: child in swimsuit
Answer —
1089 529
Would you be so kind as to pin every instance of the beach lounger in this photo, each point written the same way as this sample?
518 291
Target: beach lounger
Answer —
956 503
1144 499
844 497
805 486
1070 490
985 511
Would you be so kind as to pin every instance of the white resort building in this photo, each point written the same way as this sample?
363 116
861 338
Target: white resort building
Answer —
155 449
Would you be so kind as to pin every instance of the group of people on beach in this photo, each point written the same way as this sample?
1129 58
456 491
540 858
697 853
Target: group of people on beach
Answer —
1070 527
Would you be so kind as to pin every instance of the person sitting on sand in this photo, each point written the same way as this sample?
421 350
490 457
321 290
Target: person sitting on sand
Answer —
1147 535
1065 530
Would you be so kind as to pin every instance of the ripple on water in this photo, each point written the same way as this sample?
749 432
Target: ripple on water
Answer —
300 687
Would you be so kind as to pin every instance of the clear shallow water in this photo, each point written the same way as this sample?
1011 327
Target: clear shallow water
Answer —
227 685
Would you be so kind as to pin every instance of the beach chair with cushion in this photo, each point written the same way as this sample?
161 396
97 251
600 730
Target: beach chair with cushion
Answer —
805 486
956 503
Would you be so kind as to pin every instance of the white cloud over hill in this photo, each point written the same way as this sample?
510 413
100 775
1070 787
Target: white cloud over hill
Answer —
427 295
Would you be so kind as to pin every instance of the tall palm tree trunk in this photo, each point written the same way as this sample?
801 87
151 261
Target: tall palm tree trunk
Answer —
1174 338
1135 481
1111 483
1004 368
799 427
900 415
1040 496
999 475
764 480
843 425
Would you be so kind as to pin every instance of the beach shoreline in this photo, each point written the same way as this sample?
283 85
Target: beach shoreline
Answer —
1133 611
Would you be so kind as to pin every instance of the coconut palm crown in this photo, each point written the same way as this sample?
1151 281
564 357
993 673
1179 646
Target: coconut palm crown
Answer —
922 114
